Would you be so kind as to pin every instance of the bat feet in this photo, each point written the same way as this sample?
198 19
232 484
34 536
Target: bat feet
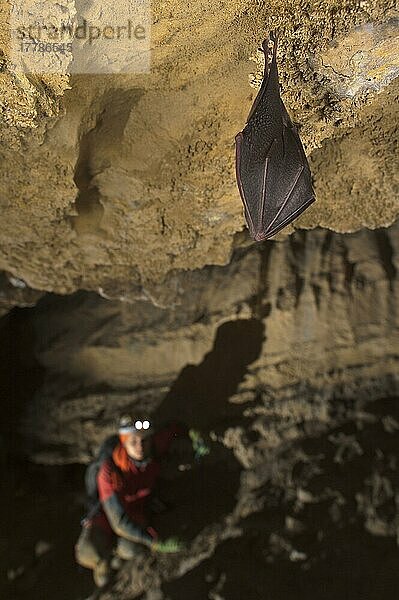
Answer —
268 52
265 46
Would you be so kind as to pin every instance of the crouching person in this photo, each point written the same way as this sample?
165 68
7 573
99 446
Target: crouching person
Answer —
117 527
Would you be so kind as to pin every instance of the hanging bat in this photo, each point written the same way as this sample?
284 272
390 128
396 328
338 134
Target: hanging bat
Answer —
272 171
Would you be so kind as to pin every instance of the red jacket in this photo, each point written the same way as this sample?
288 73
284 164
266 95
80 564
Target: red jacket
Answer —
123 493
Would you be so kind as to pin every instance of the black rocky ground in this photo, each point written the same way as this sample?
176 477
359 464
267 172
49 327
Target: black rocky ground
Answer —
326 524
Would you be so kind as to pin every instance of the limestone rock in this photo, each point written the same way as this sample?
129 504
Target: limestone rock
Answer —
116 184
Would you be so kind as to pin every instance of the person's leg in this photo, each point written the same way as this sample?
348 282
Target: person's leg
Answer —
139 562
93 551
126 550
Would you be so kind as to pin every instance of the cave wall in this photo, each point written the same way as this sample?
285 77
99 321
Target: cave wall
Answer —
122 230
113 183
286 360
317 315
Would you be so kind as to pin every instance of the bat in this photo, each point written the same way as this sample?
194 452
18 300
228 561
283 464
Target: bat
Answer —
272 171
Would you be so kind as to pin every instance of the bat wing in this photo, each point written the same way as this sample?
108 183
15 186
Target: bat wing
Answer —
272 171
275 185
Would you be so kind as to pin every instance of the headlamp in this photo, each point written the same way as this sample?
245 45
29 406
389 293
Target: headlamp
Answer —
142 425
127 425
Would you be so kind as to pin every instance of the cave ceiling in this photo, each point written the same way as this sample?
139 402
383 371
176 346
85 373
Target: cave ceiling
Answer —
116 183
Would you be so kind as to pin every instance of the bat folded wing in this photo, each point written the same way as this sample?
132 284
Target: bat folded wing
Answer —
275 186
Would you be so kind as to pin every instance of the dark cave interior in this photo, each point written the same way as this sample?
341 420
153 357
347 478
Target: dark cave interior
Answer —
326 528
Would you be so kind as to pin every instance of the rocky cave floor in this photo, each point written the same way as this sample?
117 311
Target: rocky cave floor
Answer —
318 518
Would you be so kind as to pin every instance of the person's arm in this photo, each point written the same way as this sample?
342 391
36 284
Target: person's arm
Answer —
119 520
163 439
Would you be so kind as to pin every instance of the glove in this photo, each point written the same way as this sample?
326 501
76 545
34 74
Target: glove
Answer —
168 546
199 446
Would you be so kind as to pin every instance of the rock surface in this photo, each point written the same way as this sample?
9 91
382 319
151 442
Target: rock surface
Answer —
286 360
113 183
118 195
316 313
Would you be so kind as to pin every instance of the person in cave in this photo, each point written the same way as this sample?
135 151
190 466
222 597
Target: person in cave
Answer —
117 527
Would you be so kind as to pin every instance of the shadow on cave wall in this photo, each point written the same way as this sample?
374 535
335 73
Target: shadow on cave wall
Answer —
200 394
205 493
